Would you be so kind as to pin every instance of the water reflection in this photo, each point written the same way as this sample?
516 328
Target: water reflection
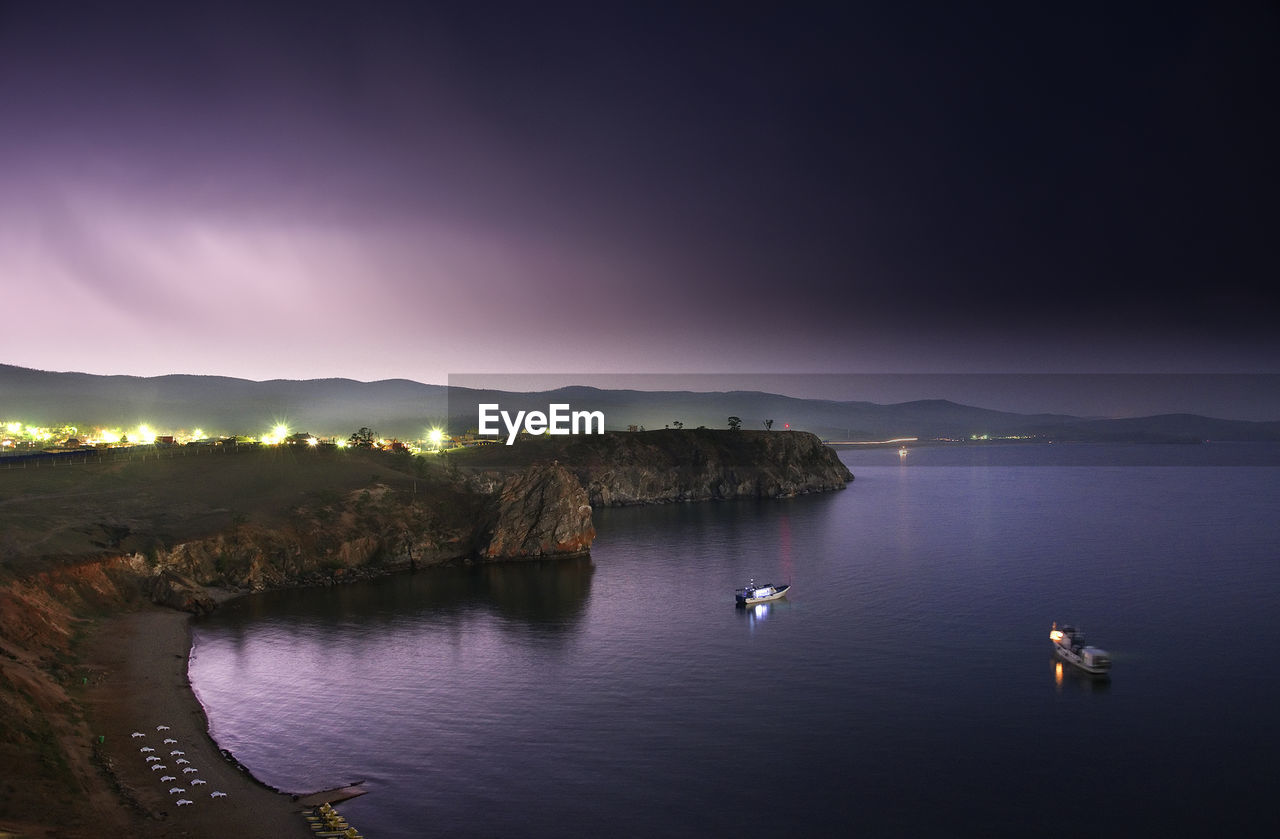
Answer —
757 613
784 546
549 594
1074 680
551 591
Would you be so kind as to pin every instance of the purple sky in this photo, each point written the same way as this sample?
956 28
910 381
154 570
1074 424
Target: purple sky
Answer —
371 190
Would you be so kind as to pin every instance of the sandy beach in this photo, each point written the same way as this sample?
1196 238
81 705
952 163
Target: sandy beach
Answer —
140 699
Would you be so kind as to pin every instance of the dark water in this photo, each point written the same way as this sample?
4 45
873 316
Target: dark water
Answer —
905 688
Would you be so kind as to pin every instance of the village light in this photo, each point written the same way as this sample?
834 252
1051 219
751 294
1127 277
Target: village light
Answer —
435 437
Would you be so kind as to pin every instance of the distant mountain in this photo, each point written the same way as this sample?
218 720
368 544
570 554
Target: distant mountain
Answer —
217 404
406 409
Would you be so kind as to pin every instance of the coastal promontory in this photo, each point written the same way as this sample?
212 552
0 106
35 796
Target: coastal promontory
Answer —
668 465
86 544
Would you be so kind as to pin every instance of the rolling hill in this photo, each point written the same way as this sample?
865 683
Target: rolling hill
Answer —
406 409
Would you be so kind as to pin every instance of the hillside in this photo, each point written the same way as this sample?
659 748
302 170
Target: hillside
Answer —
152 502
406 410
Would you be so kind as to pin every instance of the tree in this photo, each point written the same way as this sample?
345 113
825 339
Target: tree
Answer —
678 424
768 425
735 423
362 439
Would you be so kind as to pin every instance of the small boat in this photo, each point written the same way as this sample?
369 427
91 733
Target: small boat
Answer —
760 593
1069 644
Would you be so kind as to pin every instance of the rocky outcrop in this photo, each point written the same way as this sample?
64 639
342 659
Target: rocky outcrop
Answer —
169 588
542 511
699 466
538 507
539 511
657 467
258 559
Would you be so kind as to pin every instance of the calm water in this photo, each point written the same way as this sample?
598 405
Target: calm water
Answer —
906 687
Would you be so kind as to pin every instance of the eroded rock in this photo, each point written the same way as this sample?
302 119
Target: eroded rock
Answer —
542 511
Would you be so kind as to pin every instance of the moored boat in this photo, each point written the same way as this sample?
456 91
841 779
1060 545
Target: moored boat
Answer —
1070 645
760 593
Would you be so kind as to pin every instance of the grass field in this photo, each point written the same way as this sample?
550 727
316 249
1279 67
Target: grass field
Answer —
136 504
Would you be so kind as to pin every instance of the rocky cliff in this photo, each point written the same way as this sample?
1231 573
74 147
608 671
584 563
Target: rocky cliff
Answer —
538 511
300 525
542 511
656 467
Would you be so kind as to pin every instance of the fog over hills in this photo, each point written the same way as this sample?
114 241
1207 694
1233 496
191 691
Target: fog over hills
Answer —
406 409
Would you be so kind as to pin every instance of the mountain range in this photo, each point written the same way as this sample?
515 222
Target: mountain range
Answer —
407 409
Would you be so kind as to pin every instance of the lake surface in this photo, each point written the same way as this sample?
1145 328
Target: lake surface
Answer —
905 687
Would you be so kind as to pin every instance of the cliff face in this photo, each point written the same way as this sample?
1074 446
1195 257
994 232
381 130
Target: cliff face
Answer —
541 511
695 466
656 467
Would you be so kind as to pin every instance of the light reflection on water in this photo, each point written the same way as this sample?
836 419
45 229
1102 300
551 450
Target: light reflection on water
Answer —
897 687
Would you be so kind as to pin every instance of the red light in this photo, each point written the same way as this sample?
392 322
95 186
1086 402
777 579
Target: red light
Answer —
786 425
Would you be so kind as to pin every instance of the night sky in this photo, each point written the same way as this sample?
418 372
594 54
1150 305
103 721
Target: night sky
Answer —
376 190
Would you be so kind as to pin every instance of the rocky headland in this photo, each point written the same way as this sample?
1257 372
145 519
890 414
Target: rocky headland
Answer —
666 466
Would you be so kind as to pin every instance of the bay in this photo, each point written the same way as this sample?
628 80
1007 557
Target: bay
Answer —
904 687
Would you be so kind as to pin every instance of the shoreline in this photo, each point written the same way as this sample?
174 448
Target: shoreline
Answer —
92 665
141 660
